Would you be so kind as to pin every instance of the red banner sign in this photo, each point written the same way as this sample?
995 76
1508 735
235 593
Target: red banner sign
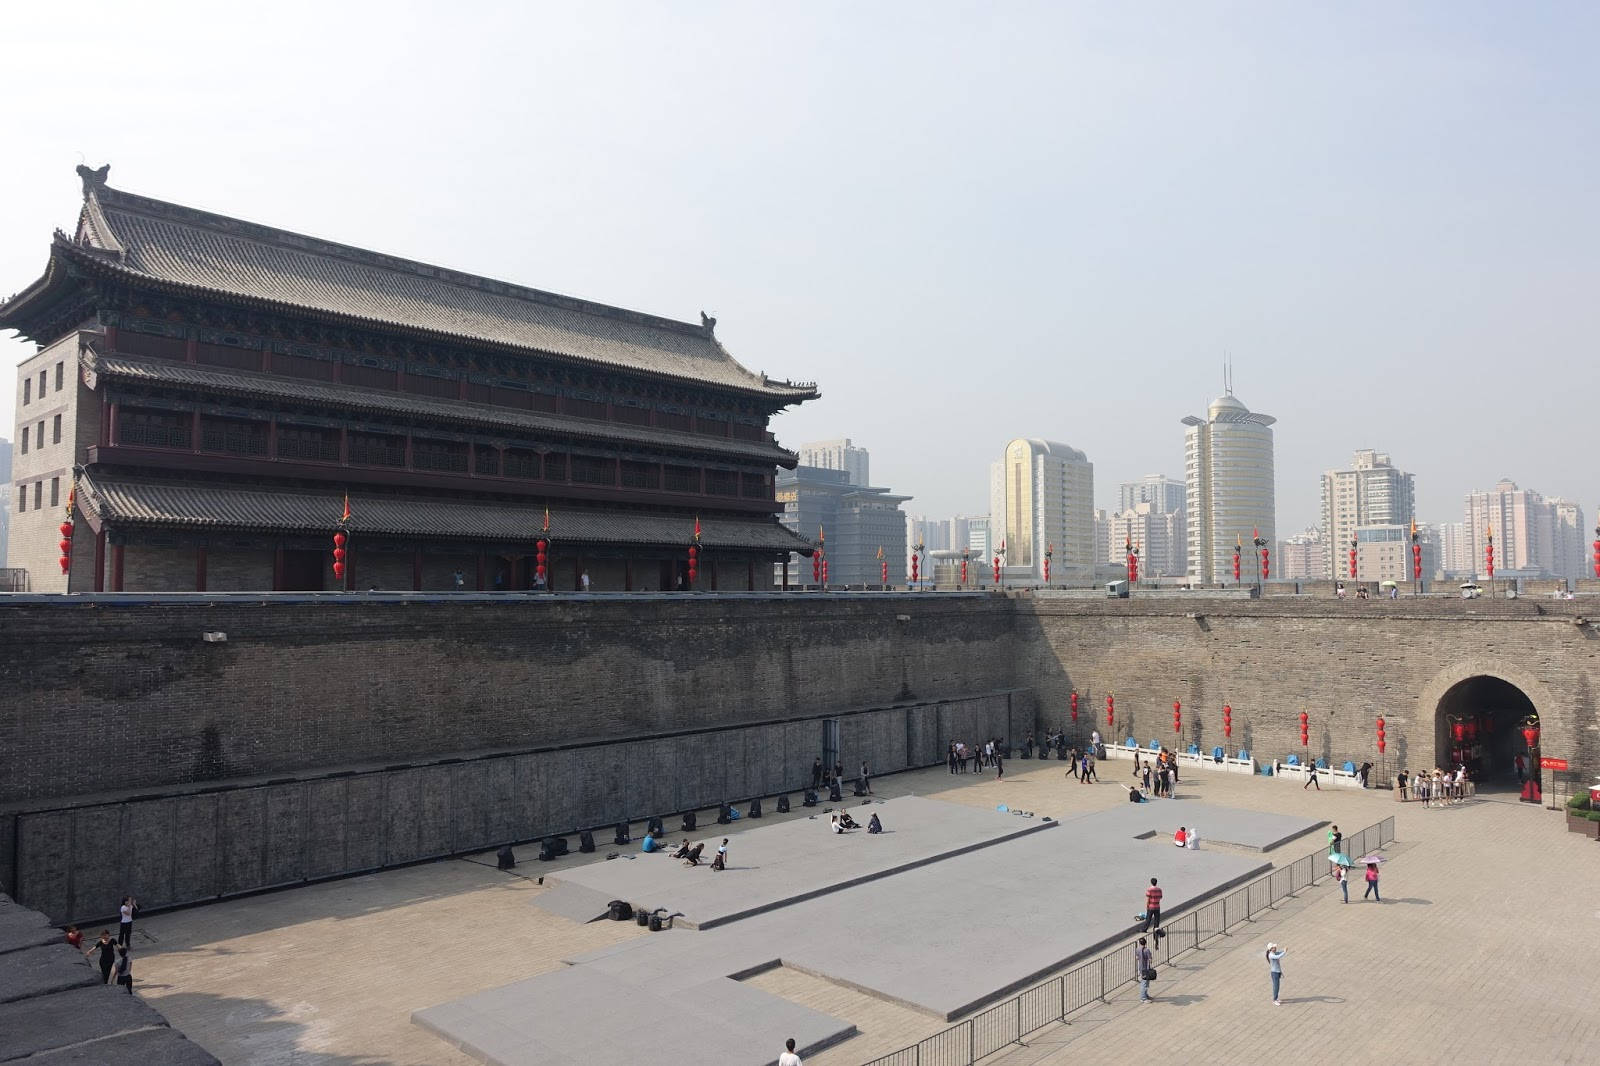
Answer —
1546 762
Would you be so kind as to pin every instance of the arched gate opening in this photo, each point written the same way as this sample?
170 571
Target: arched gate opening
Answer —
1480 723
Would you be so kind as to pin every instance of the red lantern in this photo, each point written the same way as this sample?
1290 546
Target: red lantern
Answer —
914 569
338 569
1177 716
540 548
1458 731
338 554
1110 706
1305 729
65 545
997 569
1074 706
1530 734
65 528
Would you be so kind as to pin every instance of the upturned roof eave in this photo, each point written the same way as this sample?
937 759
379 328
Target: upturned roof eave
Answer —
87 259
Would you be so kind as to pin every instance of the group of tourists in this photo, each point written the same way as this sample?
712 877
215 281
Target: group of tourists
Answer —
1437 789
1155 777
988 755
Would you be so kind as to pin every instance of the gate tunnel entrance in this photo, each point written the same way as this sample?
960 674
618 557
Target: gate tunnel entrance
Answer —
1479 724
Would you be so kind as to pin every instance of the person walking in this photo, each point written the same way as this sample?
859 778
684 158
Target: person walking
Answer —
124 969
1088 769
789 1058
1372 882
1335 846
1275 970
1144 965
108 954
1311 776
125 928
1152 908
816 773
1343 877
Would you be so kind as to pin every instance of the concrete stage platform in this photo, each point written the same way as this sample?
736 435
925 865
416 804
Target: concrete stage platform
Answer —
1254 830
945 937
781 864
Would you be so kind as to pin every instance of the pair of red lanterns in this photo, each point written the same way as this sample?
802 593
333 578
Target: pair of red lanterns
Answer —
1305 730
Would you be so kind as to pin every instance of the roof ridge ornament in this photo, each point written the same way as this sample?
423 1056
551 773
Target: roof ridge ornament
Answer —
93 179
708 324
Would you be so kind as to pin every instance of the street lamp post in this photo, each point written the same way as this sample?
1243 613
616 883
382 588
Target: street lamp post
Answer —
1261 544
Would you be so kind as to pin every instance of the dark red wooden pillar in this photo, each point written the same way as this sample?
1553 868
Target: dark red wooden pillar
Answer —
100 561
416 570
194 431
272 439
200 568
277 568
111 423
116 568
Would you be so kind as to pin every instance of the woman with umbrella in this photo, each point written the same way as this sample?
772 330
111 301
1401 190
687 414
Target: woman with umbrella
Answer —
1372 862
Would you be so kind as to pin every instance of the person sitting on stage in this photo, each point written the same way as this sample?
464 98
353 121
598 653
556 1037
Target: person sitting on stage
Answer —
1181 837
1134 795
650 844
682 852
874 826
693 857
848 822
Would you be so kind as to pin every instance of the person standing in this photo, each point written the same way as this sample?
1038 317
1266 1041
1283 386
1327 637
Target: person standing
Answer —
721 861
1372 882
1343 877
460 579
125 928
1152 908
999 766
1311 777
949 757
1275 970
789 1058
583 580
1144 966
816 773
866 781
1366 768
1335 846
108 954
124 969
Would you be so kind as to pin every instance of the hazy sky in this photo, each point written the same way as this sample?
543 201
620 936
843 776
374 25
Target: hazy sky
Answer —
967 222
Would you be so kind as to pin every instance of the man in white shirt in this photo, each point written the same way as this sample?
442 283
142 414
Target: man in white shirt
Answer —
789 1058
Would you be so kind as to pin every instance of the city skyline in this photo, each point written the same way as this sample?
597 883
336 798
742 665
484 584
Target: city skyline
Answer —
1365 209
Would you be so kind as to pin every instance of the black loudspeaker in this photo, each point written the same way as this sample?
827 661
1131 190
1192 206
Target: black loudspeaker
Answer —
755 807
833 791
655 828
810 799
552 847
783 804
655 923
724 814
620 911
622 836
504 859
861 786
585 841
641 916
688 822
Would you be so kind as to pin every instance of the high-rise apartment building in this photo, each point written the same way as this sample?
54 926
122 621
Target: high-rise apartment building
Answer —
5 497
1159 536
1370 492
1455 549
839 454
1523 524
1102 538
1570 554
1228 481
1041 496
1164 494
1303 557
1383 553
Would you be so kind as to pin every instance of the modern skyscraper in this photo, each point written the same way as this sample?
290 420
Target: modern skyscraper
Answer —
1102 538
1041 496
1371 492
1229 490
856 521
1164 494
1455 549
839 454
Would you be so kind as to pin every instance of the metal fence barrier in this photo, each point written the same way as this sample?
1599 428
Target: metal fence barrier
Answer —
1089 982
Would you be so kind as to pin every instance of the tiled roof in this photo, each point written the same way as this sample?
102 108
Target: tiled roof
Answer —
246 383
178 245
199 506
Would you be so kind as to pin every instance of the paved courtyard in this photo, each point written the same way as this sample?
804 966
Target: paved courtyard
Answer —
1478 954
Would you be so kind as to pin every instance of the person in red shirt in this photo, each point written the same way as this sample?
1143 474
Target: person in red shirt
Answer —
1152 907
74 937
